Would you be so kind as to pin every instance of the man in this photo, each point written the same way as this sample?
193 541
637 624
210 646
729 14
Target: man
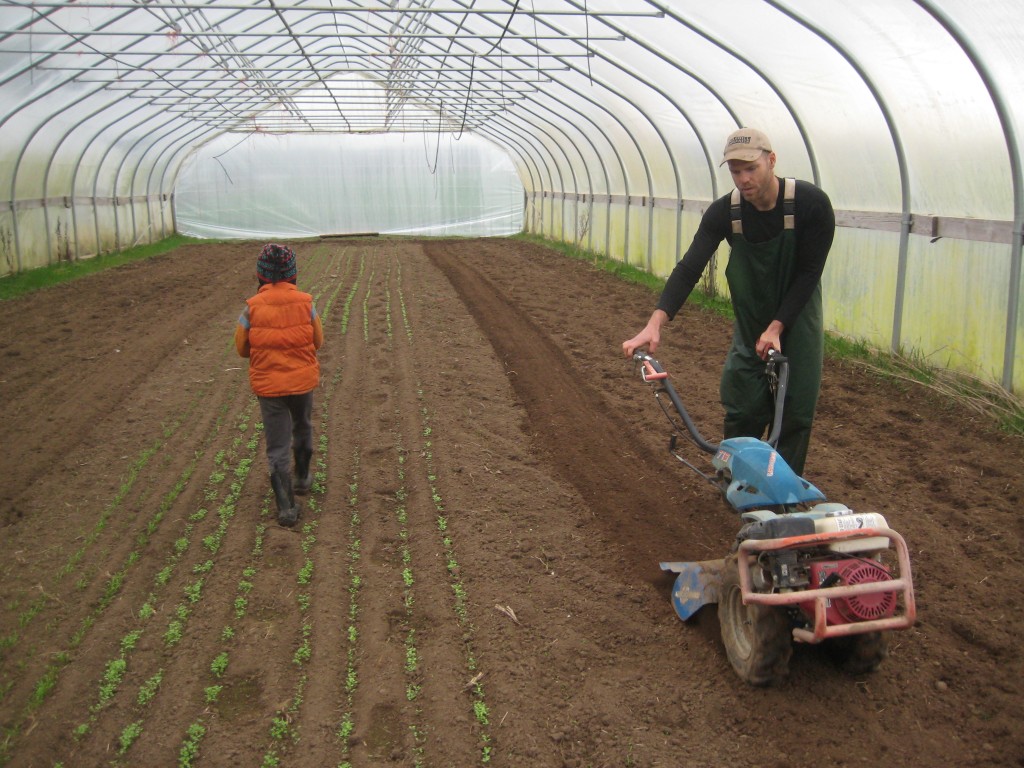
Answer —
280 332
780 232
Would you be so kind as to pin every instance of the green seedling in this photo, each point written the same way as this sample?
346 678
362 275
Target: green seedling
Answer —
220 664
173 634
190 748
129 734
149 688
279 728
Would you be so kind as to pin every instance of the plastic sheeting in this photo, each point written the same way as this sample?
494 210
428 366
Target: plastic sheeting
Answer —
304 185
612 114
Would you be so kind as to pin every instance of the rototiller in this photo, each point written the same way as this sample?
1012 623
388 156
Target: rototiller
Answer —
801 568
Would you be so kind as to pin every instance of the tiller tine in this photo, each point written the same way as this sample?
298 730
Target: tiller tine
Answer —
697 585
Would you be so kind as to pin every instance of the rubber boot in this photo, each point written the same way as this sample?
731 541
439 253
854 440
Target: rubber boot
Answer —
287 509
303 471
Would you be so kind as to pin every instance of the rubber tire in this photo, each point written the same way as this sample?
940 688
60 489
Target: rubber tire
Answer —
859 654
758 639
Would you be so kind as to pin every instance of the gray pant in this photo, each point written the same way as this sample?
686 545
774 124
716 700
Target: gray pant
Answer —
287 426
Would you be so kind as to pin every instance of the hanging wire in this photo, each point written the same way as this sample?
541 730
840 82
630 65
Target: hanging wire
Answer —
472 66
437 147
245 138
469 95
504 31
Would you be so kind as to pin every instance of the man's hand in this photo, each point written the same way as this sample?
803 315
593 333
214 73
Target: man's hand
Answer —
769 340
649 337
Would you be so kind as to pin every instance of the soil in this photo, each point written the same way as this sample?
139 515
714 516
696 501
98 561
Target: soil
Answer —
475 578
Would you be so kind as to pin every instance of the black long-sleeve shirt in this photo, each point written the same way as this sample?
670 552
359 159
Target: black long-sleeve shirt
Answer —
814 229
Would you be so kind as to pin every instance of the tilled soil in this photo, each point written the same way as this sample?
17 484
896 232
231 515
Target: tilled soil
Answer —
475 577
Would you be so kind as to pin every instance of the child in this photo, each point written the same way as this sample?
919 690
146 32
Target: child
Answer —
280 332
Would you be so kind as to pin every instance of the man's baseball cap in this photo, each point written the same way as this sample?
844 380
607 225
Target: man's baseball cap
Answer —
746 144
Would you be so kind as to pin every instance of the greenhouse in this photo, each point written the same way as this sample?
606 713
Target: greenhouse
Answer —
477 203
598 124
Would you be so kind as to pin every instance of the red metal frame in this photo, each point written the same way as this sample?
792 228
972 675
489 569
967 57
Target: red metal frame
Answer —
822 630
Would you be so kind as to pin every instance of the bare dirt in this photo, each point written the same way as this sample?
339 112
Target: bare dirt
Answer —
475 580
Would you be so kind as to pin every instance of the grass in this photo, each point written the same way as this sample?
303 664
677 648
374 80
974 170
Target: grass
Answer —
628 273
12 286
985 398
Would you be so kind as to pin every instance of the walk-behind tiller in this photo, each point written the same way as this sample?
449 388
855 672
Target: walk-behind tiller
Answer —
801 569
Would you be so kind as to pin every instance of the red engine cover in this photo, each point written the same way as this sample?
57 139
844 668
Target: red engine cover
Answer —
848 610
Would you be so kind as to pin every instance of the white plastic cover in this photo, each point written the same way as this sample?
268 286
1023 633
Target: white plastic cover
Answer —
298 185
611 113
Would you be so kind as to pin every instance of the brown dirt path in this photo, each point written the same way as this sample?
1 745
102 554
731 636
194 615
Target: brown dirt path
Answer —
482 444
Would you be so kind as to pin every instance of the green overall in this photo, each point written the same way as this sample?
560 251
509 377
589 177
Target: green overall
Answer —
759 275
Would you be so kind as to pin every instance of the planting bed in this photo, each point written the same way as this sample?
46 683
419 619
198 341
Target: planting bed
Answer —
475 578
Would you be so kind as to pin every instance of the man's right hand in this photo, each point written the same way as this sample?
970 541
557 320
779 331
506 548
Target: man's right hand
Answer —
649 337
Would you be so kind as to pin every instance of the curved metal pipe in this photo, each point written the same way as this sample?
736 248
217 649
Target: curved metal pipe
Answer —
1013 147
901 161
794 115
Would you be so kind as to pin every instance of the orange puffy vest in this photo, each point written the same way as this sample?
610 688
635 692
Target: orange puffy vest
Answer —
282 358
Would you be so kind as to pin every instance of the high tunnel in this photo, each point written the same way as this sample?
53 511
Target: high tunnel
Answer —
599 123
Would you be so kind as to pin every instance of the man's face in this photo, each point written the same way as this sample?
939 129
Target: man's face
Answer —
755 179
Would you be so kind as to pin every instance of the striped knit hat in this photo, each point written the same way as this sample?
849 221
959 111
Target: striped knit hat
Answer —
276 264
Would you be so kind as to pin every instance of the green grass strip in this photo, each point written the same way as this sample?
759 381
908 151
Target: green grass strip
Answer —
12 286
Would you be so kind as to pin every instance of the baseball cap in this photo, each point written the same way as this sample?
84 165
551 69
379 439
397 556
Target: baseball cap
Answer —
746 144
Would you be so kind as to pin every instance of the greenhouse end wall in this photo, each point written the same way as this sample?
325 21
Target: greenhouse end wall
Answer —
258 186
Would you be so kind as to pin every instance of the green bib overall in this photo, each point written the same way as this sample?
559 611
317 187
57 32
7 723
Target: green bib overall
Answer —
759 275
